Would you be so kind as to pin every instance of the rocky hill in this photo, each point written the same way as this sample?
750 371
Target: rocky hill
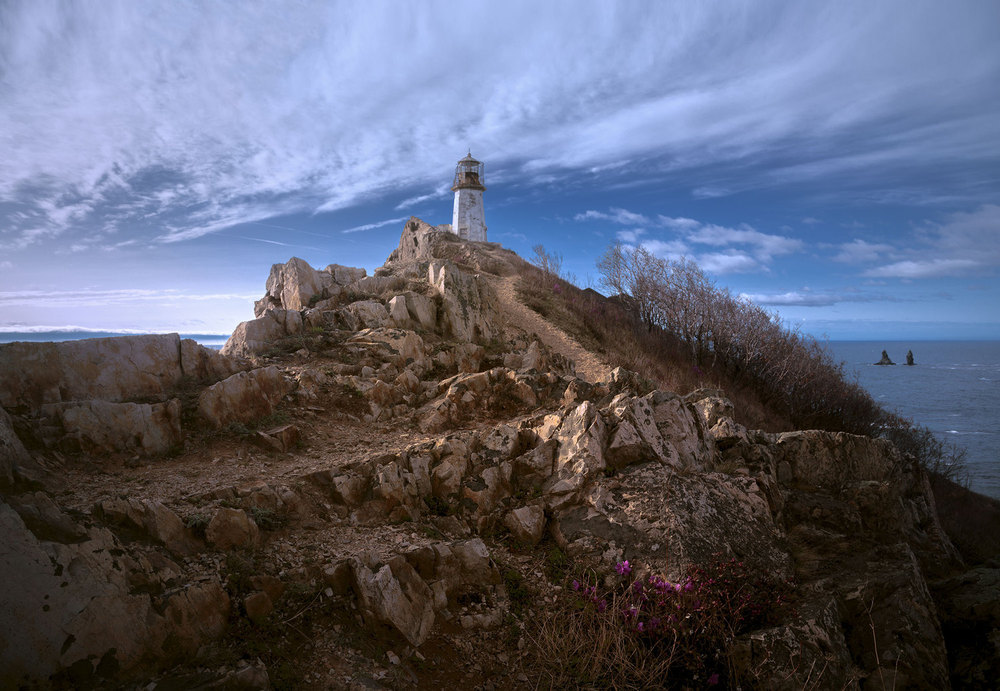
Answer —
411 480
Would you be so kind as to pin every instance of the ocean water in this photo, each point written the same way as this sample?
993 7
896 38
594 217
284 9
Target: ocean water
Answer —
215 341
953 390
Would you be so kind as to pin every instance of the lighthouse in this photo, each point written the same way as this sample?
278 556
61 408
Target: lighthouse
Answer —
468 221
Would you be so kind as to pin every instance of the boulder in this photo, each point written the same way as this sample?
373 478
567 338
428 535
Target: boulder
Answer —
363 314
243 396
395 596
468 303
108 369
345 275
150 517
105 427
16 463
291 286
526 524
258 335
69 605
231 528
206 365
407 346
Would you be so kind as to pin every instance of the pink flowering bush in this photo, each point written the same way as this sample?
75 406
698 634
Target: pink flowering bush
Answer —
653 632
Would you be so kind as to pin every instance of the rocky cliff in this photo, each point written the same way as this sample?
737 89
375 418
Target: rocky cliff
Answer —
380 477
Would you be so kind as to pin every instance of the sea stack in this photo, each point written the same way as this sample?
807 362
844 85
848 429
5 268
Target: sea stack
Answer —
909 358
885 359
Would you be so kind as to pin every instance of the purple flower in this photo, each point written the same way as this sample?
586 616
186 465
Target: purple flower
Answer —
623 568
602 605
576 584
713 680
640 627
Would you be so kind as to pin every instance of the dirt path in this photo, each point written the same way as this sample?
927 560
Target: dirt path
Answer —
588 365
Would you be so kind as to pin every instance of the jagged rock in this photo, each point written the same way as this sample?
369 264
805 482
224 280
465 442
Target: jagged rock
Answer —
206 365
467 302
69 605
243 396
420 310
283 438
106 427
396 596
909 358
364 314
152 518
291 286
258 335
579 457
407 346
886 360
16 463
108 369
526 524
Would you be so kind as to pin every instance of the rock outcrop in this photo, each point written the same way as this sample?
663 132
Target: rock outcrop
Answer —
432 473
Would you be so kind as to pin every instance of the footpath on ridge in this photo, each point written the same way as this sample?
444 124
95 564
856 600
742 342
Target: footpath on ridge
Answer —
588 365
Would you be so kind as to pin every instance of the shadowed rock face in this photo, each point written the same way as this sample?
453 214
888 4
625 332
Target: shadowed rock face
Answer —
502 443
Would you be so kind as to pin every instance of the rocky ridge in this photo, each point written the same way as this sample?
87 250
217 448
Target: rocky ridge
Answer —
390 459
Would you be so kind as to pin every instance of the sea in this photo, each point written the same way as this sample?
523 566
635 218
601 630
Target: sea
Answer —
953 389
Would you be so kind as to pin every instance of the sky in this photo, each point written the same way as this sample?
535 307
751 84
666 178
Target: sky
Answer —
839 163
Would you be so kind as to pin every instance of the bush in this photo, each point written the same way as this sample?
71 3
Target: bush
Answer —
653 633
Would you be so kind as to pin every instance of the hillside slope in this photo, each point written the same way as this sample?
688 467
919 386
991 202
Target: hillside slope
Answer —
411 480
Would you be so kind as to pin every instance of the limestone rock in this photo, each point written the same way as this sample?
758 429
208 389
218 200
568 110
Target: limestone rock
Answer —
396 596
407 346
345 275
205 364
152 518
69 605
231 528
292 285
468 303
16 463
258 335
108 369
526 524
364 314
106 427
243 396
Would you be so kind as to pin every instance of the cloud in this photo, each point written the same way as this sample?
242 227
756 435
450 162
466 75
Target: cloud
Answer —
764 245
630 236
728 263
806 298
677 223
621 216
98 298
964 243
931 268
373 226
213 119
861 252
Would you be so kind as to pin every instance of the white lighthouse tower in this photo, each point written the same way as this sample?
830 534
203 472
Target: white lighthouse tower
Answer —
468 221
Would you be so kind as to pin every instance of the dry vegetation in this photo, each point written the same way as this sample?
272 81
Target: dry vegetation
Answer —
669 323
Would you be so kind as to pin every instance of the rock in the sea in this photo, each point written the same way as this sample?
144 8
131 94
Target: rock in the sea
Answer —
886 360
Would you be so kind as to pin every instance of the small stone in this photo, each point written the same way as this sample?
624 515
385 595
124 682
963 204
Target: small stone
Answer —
392 657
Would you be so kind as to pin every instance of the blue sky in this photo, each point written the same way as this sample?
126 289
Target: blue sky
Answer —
838 162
